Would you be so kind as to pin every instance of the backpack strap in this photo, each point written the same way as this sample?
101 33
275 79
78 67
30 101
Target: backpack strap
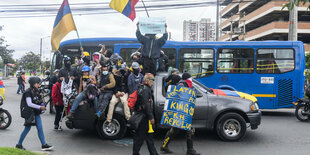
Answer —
58 89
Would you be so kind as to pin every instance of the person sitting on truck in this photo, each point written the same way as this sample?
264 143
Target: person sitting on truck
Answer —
106 86
120 92
84 81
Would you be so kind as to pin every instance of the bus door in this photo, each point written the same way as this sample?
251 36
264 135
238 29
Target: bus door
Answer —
276 67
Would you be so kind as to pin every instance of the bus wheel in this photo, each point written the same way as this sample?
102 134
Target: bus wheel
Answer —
115 130
231 127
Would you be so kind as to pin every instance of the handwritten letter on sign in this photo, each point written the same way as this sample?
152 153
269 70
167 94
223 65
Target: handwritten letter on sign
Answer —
179 107
154 25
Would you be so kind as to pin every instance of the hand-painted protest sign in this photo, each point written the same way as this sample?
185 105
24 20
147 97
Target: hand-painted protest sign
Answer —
179 107
152 25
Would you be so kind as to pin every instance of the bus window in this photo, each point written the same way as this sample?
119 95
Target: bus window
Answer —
197 61
171 54
235 60
125 53
275 61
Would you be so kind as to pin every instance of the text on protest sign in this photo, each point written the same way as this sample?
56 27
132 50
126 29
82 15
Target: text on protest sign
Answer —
152 25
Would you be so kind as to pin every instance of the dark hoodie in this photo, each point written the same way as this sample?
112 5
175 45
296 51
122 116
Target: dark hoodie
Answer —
151 40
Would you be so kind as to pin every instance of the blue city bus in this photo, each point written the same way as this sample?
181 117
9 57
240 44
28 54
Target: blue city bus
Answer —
272 71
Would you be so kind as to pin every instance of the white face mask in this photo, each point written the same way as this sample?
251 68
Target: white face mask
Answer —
105 72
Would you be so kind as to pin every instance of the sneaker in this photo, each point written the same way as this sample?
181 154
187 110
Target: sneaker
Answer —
56 127
59 128
47 147
20 147
165 150
70 116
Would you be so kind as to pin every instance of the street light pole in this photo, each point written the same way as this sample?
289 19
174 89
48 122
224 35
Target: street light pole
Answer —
41 52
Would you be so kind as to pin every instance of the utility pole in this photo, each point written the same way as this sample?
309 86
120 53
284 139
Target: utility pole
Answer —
217 20
231 28
293 22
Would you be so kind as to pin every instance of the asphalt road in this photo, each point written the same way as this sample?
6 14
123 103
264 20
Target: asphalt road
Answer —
279 134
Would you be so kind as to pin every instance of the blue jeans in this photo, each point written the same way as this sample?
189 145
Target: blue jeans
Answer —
39 128
104 100
20 88
77 101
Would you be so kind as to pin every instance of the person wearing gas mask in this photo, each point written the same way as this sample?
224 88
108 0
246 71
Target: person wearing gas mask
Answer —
151 49
84 82
68 73
120 92
106 86
31 107
135 78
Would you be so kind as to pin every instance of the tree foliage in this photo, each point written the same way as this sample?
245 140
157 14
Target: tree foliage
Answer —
291 5
5 53
30 61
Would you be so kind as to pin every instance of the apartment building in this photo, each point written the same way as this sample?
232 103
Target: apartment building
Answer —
261 20
203 30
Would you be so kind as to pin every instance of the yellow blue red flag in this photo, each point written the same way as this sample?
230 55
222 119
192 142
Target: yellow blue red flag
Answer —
126 7
63 24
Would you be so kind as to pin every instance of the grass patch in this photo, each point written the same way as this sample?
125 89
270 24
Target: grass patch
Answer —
14 151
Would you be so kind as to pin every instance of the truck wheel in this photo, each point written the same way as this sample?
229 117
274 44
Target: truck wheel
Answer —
115 130
231 127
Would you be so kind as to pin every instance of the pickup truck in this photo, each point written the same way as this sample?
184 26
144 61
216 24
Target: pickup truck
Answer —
227 116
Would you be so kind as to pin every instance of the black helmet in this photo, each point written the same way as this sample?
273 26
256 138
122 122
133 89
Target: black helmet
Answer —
186 76
1 100
104 64
33 80
47 72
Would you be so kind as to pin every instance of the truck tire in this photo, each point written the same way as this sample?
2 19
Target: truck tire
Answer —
231 127
116 130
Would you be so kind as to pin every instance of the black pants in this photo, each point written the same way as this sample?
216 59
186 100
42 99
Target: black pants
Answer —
141 135
173 132
59 110
149 66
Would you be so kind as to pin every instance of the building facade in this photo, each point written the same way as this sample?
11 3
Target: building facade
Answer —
203 30
262 20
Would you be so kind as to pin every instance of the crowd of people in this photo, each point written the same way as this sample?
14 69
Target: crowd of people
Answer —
103 79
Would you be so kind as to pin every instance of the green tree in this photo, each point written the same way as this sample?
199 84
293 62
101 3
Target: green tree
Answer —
47 64
30 61
5 53
290 5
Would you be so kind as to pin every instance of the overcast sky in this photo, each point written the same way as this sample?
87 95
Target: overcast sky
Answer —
23 34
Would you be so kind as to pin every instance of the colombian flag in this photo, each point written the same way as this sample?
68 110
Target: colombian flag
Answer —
126 7
2 89
223 92
63 25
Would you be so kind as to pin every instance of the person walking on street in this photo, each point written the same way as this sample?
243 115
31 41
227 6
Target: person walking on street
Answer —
186 82
145 105
57 103
31 108
151 49
20 82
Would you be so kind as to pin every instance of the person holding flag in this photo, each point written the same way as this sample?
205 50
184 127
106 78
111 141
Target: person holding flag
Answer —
63 24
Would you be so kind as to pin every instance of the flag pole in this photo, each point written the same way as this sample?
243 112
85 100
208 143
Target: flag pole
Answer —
145 9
